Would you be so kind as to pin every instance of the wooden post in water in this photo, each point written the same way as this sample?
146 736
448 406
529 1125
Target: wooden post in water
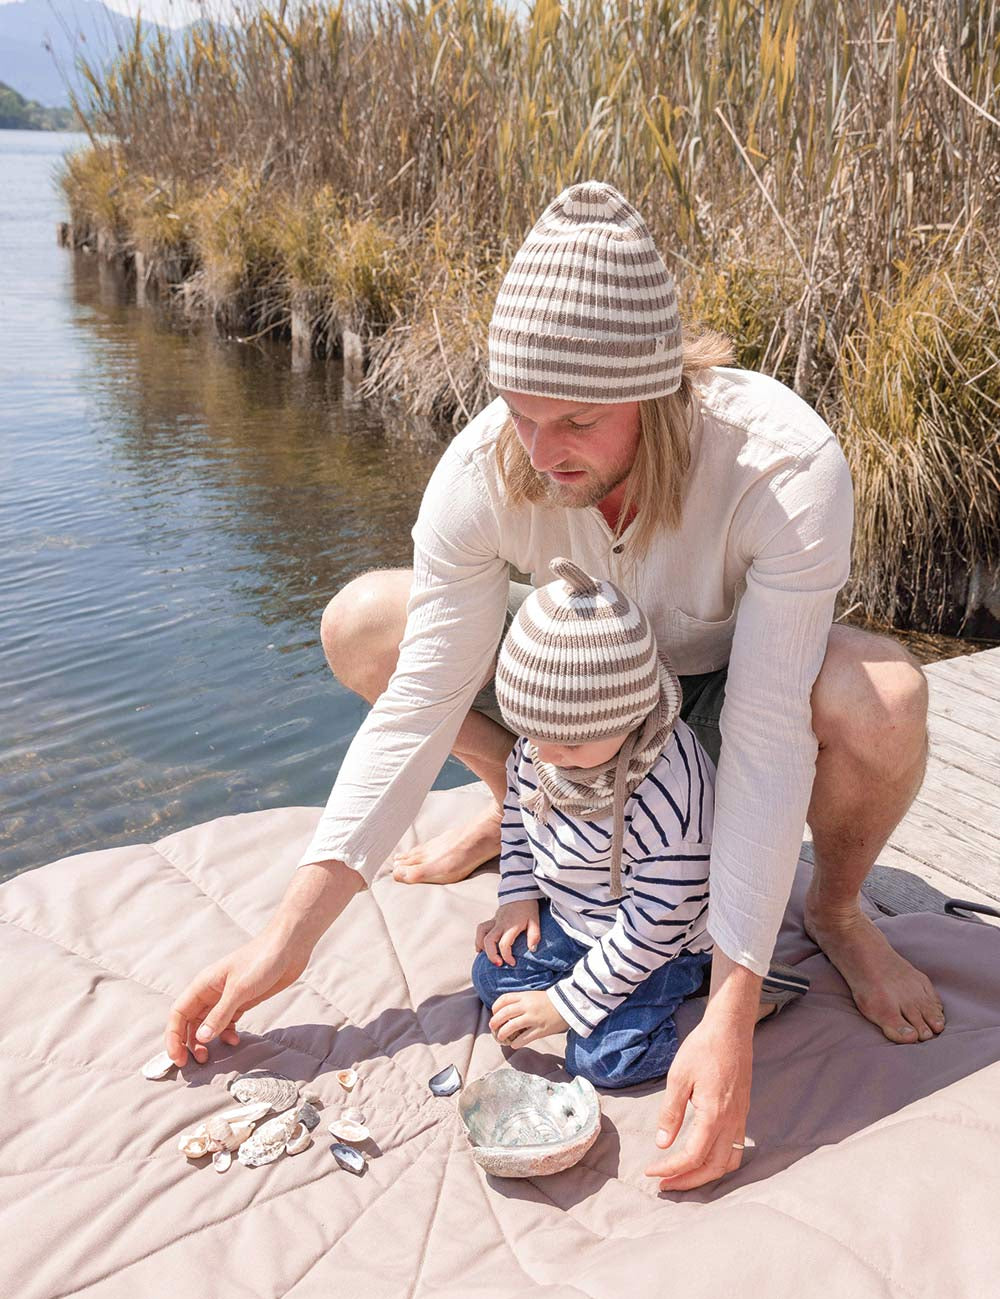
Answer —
301 338
139 263
353 352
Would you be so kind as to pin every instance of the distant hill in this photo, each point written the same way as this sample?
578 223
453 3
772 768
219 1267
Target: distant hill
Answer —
40 41
20 114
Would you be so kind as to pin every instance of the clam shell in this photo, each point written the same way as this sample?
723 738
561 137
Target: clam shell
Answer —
313 1098
300 1140
347 1130
309 1115
521 1125
349 1158
195 1143
354 1115
221 1160
347 1078
264 1085
446 1082
268 1142
158 1067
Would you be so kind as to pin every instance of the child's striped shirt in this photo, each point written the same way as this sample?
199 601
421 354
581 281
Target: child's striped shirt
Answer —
665 854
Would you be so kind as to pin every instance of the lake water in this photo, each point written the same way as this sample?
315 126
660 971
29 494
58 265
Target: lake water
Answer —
175 511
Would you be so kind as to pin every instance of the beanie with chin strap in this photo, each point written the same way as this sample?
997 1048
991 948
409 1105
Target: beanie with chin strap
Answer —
580 663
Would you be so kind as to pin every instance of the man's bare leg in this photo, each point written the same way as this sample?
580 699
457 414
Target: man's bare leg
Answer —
870 716
362 627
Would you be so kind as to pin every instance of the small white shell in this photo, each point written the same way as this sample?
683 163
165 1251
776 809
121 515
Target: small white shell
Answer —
347 1130
221 1160
353 1114
301 1139
158 1067
314 1099
196 1143
347 1078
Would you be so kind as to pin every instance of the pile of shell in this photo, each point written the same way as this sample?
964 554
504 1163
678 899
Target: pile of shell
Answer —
289 1132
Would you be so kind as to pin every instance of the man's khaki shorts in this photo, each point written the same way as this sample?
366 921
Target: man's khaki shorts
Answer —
703 694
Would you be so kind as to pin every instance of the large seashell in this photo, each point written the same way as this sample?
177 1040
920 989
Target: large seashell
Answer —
521 1125
264 1085
221 1160
301 1139
446 1082
309 1115
158 1067
349 1158
347 1078
268 1141
345 1129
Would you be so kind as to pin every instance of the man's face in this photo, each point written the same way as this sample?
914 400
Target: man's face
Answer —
582 450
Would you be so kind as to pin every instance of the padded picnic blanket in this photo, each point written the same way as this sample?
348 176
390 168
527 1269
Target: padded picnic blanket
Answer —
876 1172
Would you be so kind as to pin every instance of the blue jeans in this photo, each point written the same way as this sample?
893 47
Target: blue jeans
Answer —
637 1041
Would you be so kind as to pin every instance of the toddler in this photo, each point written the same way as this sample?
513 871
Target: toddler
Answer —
605 842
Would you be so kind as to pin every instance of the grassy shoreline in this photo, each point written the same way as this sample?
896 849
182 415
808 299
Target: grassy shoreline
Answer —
823 179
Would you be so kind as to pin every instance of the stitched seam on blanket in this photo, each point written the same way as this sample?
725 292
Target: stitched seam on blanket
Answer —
382 1048
827 1235
227 1218
433 1218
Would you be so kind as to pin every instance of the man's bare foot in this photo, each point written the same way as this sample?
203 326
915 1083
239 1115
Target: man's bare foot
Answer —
886 988
453 855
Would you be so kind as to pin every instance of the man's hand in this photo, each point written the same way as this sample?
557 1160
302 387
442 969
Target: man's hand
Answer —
522 1017
216 998
713 1068
212 1003
511 919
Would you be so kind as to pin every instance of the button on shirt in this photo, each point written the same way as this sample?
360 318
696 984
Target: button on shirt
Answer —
749 577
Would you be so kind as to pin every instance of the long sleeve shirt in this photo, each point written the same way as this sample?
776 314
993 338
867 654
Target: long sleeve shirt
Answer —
749 577
665 876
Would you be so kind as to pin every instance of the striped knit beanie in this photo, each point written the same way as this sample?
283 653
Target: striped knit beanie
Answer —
587 310
579 662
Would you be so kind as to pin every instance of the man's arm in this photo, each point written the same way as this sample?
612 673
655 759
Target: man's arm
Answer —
212 1003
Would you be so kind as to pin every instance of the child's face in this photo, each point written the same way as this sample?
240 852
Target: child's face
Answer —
591 754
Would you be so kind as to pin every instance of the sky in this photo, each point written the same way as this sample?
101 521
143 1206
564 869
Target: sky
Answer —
172 13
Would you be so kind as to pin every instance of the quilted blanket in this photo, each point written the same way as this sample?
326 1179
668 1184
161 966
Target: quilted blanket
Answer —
876 1170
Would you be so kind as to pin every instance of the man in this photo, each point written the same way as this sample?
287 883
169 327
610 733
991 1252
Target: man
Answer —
722 503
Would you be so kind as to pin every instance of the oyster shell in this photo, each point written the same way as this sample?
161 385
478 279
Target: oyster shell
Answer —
521 1125
347 1078
301 1139
309 1115
349 1158
265 1085
268 1142
345 1129
158 1067
252 1112
446 1082
221 1160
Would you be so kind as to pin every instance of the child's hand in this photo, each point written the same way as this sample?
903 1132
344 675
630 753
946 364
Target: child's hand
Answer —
522 1017
510 920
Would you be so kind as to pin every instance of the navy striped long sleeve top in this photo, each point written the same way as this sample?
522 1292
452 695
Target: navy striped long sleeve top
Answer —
665 856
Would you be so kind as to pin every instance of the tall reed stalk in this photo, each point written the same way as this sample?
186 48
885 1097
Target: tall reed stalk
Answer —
823 177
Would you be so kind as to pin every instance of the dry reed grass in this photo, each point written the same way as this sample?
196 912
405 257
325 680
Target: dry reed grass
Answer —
823 177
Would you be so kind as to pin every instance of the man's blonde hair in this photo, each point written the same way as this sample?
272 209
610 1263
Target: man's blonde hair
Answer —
658 477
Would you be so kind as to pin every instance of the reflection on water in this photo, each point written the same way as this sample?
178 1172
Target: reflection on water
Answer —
175 511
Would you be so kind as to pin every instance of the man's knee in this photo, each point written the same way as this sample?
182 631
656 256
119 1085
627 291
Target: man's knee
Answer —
870 695
361 629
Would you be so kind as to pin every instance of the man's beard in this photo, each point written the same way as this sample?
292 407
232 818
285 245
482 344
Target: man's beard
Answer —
587 492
